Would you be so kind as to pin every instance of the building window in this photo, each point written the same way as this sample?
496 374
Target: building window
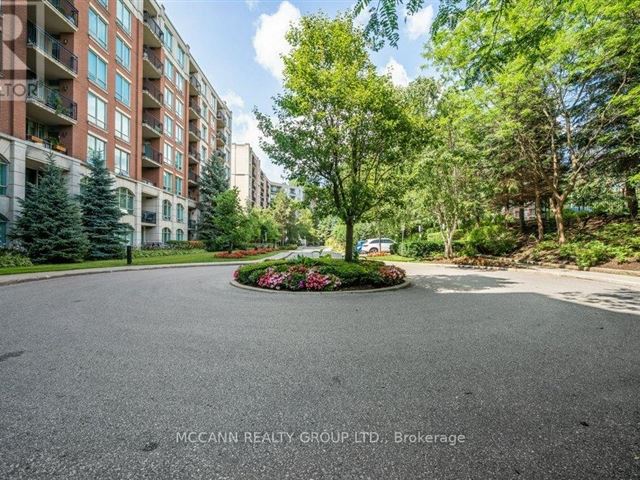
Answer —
128 235
180 213
168 70
123 53
4 174
3 230
179 83
122 162
179 190
181 57
204 133
97 69
179 160
123 90
167 181
166 235
179 109
203 153
125 199
124 16
179 134
123 126
166 210
168 154
104 3
179 235
168 98
97 28
168 125
96 110
168 39
96 149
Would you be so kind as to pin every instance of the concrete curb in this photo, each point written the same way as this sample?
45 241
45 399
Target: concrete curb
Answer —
39 276
404 284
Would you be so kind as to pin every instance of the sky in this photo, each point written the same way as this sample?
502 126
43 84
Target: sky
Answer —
238 44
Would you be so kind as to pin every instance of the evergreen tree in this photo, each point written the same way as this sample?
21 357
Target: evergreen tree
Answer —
50 226
101 213
213 181
229 224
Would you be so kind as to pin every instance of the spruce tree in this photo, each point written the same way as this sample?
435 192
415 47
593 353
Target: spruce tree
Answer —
101 213
229 223
50 225
213 181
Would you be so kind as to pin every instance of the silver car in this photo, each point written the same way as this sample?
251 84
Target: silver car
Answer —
374 245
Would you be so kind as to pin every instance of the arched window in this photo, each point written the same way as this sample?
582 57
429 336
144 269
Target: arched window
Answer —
180 213
166 210
3 231
4 175
179 234
166 235
125 199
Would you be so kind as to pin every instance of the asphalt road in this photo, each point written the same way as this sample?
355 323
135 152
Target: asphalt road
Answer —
100 374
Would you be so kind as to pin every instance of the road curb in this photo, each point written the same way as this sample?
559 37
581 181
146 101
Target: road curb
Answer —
77 273
401 286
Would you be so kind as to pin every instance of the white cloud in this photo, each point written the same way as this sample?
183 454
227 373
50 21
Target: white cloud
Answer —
246 130
398 73
251 4
269 41
420 22
233 100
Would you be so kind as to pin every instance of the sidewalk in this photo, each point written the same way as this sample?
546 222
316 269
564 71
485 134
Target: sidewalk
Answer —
32 277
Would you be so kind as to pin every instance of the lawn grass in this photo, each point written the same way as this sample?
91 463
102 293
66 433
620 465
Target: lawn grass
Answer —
196 257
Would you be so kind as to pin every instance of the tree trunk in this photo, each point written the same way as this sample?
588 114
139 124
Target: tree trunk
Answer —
448 243
631 196
348 250
521 218
539 219
557 212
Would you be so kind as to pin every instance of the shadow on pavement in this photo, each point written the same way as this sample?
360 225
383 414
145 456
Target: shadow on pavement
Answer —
620 299
459 283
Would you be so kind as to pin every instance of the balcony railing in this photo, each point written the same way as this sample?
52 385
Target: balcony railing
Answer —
51 47
45 95
152 57
192 224
151 121
151 153
67 9
195 82
194 154
194 129
149 217
193 104
153 25
193 176
154 91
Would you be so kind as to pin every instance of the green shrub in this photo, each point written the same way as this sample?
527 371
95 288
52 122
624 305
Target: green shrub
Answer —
11 258
419 248
164 252
490 240
185 244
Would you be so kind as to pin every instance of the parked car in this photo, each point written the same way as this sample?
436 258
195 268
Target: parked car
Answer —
373 245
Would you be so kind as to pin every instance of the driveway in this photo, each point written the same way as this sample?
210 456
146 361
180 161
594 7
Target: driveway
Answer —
132 374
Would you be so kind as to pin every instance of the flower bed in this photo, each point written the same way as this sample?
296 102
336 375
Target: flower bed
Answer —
323 274
244 253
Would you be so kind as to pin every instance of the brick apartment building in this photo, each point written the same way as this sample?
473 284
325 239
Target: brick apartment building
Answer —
110 78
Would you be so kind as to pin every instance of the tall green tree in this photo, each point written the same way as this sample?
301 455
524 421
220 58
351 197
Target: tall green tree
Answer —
284 215
50 225
213 181
229 223
101 213
340 126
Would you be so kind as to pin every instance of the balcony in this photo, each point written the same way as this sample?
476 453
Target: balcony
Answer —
194 109
48 57
151 95
151 125
221 140
152 65
193 178
194 133
57 16
194 157
148 217
192 225
221 119
153 34
50 107
151 158
194 85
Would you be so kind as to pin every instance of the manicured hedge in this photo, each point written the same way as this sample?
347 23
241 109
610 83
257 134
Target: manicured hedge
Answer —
318 274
